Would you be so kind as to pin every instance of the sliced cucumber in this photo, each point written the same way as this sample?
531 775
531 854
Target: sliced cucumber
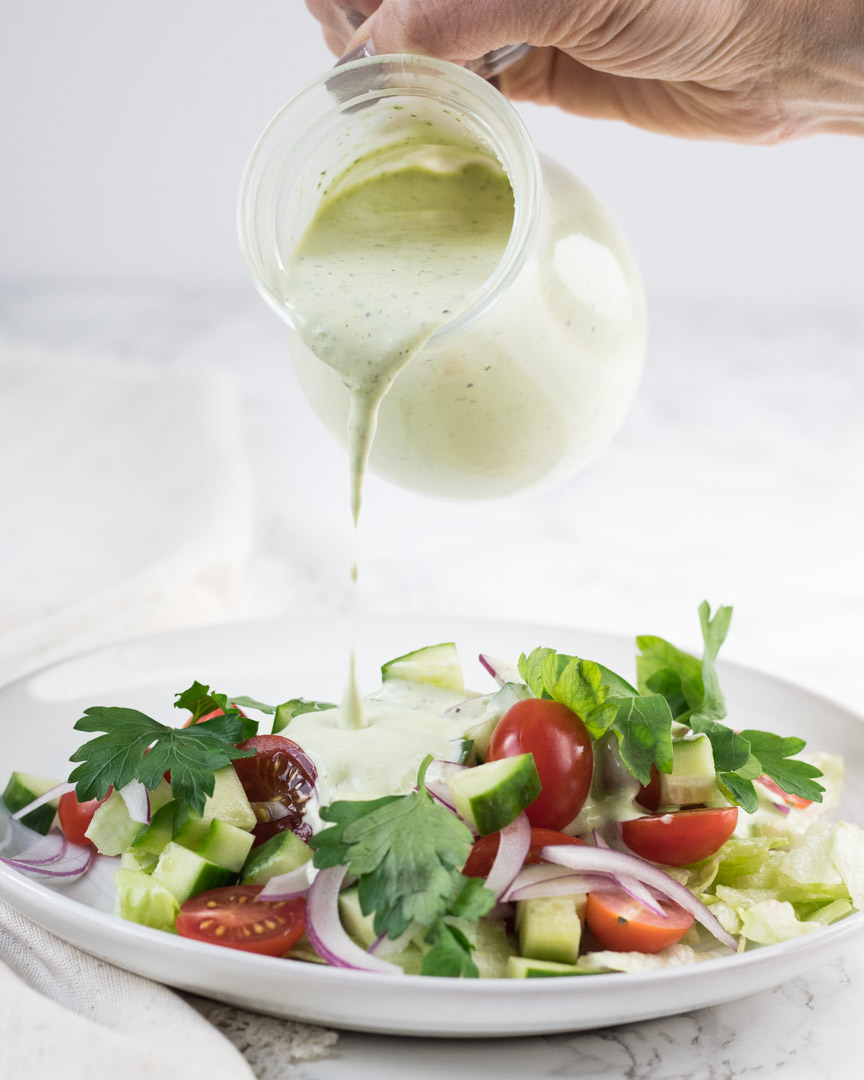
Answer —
286 712
112 831
138 860
228 803
693 778
141 899
438 665
158 833
490 796
493 949
22 789
226 845
186 874
523 967
280 854
550 927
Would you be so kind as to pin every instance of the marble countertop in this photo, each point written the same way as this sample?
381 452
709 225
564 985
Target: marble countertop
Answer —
737 478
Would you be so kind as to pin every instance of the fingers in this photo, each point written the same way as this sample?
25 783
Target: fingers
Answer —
689 110
340 19
462 30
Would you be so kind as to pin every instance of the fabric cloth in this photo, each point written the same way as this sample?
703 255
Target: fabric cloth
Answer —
128 511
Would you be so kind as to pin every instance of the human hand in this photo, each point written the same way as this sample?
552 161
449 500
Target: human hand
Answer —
757 71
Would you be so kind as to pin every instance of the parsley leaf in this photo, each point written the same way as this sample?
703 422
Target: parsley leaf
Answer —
643 726
135 746
576 683
603 700
406 851
200 700
450 954
775 756
691 688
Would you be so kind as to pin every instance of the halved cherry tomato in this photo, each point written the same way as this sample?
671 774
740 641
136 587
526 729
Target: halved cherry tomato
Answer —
485 848
680 838
236 918
278 781
649 795
207 716
791 800
562 753
75 817
623 924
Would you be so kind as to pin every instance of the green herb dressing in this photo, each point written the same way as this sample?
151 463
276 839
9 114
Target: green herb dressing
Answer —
400 245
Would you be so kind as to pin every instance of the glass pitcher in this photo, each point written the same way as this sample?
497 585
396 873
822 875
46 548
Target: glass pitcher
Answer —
527 384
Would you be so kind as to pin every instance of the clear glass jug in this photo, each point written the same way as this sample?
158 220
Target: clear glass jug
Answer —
527 384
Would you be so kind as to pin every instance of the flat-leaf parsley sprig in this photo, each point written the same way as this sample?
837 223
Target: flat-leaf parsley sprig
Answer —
407 851
134 746
675 686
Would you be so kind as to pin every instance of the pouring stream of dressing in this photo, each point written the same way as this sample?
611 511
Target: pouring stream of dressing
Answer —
401 243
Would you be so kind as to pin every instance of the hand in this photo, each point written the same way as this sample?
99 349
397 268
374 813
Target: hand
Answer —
757 71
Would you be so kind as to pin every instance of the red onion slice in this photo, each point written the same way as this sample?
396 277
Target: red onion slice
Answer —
325 931
288 886
137 800
74 861
512 851
47 849
502 671
548 880
616 863
54 793
633 887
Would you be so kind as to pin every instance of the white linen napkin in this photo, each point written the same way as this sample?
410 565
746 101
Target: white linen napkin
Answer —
127 510
127 502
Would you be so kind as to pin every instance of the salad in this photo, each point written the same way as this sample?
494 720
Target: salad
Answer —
565 822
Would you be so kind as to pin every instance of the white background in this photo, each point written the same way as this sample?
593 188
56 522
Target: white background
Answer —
124 128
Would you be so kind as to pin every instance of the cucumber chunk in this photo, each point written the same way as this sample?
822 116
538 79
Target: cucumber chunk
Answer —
158 833
138 860
279 855
226 845
186 874
112 831
22 789
490 796
438 665
550 927
142 900
492 949
523 967
228 803
693 778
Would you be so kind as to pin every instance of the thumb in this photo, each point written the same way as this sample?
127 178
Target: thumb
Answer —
462 30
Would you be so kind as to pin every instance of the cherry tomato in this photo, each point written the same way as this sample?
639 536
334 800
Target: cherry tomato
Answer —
278 781
208 716
649 795
623 924
562 753
236 918
485 848
680 838
75 817
791 800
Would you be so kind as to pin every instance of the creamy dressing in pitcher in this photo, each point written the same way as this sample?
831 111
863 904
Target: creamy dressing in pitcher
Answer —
388 258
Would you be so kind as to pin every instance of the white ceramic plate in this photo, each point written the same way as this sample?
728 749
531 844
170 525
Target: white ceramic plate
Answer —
276 660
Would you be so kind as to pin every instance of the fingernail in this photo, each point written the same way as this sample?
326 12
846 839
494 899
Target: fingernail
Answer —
354 18
365 48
